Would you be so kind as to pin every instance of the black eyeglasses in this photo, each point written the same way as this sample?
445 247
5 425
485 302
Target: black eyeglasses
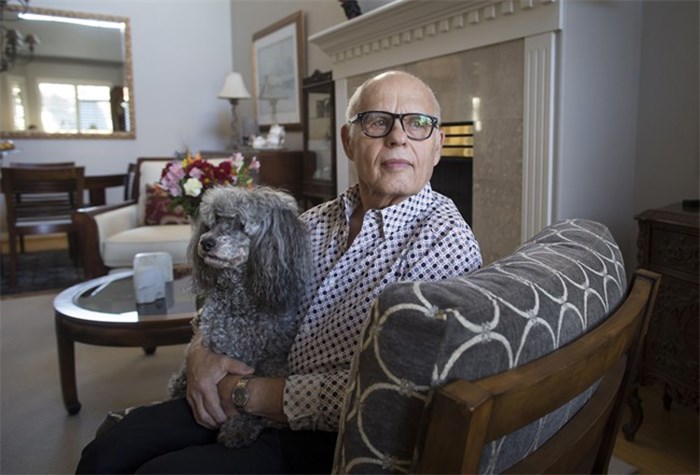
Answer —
378 124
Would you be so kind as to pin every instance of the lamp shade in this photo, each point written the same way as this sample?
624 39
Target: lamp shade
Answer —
234 88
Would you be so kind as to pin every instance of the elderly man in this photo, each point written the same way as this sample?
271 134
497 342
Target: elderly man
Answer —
391 226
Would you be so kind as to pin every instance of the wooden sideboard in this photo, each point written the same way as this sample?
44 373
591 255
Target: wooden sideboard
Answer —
668 244
282 169
278 168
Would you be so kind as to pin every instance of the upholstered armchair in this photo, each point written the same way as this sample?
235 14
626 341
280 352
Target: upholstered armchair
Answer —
110 236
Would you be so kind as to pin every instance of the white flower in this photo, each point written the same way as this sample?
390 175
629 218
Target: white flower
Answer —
193 187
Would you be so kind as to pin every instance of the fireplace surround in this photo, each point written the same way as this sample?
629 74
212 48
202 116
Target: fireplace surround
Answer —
489 61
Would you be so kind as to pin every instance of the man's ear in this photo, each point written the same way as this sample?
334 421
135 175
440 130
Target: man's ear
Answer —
438 146
345 138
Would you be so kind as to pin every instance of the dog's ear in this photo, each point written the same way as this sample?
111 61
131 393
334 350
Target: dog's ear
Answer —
279 260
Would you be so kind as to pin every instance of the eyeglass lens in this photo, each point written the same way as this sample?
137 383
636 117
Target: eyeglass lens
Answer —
379 124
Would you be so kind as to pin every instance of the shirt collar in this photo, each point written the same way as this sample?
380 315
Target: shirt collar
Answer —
350 200
392 218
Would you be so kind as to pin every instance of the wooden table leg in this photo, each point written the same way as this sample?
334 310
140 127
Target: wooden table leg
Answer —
66 367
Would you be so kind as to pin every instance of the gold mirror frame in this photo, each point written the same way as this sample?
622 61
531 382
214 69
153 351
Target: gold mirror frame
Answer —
128 77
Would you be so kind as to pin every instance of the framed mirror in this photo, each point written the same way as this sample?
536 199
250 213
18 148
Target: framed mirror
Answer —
77 83
319 179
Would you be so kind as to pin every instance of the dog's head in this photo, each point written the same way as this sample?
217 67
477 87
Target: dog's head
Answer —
255 232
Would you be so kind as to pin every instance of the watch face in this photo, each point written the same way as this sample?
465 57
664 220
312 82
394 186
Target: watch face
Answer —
240 396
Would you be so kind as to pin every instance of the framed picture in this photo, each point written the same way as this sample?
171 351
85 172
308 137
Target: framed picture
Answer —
279 61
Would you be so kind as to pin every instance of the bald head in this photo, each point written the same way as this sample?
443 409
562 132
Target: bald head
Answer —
391 162
392 83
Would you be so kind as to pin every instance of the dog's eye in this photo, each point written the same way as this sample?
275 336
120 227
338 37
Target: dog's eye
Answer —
236 224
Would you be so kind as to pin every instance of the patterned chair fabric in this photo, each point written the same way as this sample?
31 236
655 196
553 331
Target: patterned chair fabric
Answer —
422 335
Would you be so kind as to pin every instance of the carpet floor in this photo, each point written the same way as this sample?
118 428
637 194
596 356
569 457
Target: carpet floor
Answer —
39 271
37 436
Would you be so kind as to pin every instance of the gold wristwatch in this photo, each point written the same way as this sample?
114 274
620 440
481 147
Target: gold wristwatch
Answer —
240 394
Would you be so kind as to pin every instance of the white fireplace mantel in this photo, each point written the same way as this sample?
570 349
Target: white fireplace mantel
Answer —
406 31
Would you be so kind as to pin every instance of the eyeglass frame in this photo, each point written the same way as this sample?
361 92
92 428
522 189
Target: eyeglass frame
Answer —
435 123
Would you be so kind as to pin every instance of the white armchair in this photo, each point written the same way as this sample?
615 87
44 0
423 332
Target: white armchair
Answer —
110 236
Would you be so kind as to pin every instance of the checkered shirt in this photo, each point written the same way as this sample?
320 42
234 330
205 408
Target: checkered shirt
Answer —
421 238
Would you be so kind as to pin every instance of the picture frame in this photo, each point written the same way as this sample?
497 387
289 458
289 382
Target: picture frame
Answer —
279 61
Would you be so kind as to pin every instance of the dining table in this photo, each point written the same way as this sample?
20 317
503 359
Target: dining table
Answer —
96 186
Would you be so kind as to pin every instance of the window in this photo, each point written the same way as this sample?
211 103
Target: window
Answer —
71 108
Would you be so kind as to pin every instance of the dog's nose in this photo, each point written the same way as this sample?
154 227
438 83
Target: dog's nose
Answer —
207 244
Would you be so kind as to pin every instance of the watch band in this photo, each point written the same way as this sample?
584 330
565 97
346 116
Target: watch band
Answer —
240 394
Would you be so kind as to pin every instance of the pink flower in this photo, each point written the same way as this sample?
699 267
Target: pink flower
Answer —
196 173
171 179
186 179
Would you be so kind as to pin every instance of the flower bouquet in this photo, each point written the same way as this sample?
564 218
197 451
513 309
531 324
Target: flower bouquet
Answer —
187 177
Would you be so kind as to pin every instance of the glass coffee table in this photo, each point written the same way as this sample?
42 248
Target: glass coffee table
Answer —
103 311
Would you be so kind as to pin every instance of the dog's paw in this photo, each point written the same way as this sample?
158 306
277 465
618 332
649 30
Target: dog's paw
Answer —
240 431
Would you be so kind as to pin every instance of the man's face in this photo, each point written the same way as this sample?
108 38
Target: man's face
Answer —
394 167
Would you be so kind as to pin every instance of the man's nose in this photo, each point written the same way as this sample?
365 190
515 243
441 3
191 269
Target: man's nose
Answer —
397 134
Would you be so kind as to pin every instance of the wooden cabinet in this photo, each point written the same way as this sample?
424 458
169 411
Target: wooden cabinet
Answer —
281 169
278 168
668 244
319 181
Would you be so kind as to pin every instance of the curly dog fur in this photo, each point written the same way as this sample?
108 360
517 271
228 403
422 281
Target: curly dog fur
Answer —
250 259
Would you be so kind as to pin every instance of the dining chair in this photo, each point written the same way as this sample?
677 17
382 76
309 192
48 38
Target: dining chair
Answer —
130 182
37 165
40 200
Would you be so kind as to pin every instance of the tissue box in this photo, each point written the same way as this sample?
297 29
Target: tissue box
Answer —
151 272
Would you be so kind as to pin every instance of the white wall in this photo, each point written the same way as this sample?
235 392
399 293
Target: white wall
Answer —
596 151
633 67
181 53
668 155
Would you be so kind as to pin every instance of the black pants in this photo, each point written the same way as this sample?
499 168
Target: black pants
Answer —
165 438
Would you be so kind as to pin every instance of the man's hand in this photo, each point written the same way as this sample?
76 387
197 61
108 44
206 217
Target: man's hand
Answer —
205 370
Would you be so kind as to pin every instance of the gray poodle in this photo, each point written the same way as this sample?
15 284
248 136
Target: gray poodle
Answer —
250 259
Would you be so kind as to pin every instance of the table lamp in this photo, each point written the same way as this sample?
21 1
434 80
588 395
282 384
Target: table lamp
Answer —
233 90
